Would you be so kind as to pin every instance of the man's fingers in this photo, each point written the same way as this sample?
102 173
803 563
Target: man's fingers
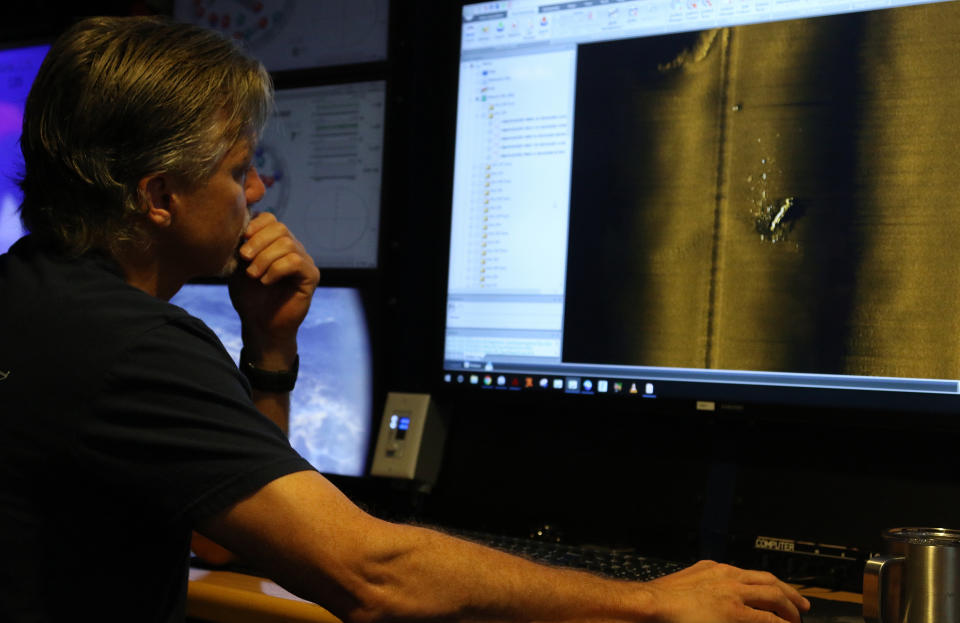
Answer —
259 221
772 599
270 254
273 252
260 234
765 578
749 596
287 265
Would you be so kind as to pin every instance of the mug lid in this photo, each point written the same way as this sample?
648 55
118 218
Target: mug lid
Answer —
923 536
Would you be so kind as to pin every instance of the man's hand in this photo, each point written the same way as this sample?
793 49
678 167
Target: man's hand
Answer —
272 289
709 592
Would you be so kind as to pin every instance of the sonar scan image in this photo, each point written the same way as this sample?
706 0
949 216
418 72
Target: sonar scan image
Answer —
760 198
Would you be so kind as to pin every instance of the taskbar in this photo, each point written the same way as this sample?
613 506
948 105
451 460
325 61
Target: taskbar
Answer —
548 376
551 383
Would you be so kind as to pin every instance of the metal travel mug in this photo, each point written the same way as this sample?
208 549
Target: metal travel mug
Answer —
917 580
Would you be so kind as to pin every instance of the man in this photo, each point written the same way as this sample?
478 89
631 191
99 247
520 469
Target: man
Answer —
124 425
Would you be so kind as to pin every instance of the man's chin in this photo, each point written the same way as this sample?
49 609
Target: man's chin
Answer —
234 262
229 268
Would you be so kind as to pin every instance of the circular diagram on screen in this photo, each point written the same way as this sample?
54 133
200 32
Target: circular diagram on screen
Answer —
341 220
335 218
255 22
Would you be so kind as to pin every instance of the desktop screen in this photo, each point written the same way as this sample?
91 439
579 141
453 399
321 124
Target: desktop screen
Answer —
738 200
331 407
18 67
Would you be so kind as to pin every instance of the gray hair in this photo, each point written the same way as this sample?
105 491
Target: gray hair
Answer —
121 98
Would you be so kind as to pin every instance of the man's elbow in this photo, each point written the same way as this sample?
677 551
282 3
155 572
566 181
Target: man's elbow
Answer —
380 594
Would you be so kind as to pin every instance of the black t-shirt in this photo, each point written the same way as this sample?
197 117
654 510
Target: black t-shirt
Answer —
123 421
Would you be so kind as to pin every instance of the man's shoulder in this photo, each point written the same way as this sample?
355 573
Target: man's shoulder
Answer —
39 281
65 308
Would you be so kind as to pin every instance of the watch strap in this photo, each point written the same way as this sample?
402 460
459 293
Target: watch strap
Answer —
269 380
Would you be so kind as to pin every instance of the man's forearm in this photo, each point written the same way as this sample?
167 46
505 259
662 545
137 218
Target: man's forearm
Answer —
438 577
273 404
317 544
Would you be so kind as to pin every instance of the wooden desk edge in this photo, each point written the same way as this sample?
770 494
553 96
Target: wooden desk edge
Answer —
237 598
826 593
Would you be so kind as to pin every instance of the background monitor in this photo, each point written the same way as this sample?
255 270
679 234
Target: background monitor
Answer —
331 407
18 68
298 34
712 202
321 159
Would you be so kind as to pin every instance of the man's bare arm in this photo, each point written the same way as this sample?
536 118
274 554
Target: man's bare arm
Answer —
312 540
271 293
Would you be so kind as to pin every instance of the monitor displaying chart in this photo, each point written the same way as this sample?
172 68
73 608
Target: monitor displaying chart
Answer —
297 34
320 159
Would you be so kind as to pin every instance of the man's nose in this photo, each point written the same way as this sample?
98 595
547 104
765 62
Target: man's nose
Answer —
255 188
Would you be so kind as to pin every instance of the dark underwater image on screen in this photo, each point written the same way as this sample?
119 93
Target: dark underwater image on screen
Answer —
331 405
778 196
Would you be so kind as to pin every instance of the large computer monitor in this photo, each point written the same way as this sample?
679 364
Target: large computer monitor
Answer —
720 202
331 407
18 68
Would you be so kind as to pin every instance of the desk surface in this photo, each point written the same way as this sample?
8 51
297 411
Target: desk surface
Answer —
236 598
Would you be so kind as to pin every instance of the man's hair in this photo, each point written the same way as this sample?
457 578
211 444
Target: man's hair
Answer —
121 98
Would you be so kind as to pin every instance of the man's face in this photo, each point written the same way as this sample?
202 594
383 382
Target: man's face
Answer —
210 225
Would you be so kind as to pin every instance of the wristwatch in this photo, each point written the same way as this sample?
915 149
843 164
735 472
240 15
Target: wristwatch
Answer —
269 380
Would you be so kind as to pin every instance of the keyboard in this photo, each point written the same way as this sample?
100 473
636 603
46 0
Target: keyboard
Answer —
618 563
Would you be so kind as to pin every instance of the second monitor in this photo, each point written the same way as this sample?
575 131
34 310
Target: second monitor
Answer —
320 158
332 405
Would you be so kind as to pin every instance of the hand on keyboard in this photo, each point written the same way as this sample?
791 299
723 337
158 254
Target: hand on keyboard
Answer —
697 593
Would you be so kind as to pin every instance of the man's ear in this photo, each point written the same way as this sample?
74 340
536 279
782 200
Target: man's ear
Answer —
156 194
